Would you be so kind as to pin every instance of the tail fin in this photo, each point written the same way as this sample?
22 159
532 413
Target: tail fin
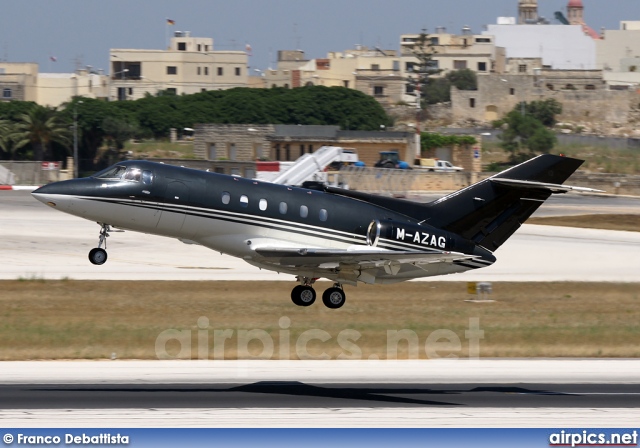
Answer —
490 211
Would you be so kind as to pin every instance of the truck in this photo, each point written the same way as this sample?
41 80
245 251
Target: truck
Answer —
391 159
438 165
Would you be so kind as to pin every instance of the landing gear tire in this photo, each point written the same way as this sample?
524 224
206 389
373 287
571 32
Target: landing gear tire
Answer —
303 295
97 256
334 298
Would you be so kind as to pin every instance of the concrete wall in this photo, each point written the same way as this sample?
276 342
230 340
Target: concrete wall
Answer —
31 173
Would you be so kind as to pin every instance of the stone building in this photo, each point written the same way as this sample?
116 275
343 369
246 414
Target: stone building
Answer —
581 92
248 143
527 11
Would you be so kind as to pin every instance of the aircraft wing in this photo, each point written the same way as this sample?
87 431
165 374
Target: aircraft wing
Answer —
325 258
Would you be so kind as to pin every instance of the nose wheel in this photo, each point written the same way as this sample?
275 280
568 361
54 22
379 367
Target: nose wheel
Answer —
98 255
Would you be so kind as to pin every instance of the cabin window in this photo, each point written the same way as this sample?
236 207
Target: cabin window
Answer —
244 200
323 215
226 197
262 204
304 211
147 177
283 208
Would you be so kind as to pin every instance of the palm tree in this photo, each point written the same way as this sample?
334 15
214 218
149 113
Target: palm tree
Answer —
40 127
6 129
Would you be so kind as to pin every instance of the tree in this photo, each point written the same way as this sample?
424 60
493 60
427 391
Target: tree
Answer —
438 90
425 68
7 144
312 105
524 136
465 79
545 110
39 128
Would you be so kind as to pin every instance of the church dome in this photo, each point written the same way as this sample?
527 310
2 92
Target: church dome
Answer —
575 4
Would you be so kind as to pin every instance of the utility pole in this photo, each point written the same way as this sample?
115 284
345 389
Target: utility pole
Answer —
75 139
418 117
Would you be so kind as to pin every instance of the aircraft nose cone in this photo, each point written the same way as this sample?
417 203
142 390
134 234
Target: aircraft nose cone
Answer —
62 188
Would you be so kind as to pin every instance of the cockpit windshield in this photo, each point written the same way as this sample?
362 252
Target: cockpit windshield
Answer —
133 174
113 173
130 174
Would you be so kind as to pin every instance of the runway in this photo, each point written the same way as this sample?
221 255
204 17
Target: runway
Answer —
337 393
38 242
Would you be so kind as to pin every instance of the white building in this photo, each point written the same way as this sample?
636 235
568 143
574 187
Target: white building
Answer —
618 55
23 82
561 47
373 71
53 89
190 65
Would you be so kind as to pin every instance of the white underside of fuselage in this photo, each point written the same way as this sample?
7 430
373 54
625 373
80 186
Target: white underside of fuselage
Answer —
240 234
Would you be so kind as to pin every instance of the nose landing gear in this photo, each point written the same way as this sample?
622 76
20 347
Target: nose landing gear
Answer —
98 255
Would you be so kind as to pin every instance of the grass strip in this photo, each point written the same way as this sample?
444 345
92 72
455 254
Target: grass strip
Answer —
228 320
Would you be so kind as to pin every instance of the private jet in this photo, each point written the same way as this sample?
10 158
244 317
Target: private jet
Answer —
342 235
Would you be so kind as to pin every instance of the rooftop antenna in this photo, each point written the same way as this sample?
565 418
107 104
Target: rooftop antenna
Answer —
296 36
78 62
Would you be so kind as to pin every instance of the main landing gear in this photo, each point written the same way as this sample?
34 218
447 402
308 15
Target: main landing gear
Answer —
98 255
305 295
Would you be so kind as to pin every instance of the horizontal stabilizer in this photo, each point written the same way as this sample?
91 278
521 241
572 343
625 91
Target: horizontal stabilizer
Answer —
554 188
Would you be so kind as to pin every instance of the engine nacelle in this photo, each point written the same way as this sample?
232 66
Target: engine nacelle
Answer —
410 234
